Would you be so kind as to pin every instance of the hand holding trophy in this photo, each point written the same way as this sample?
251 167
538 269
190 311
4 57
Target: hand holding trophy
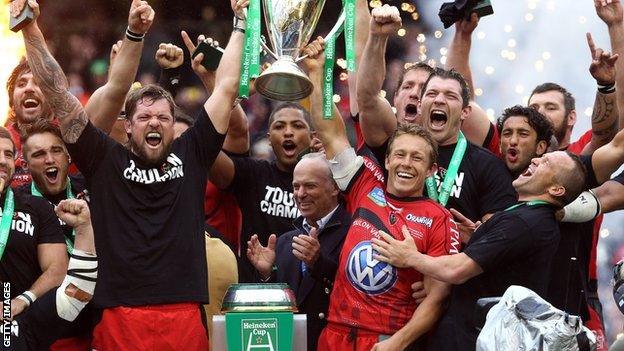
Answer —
290 24
21 14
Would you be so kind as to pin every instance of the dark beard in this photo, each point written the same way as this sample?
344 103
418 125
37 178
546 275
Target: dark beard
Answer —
561 132
146 161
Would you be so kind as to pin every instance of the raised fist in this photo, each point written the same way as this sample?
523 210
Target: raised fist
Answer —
169 56
74 212
141 17
385 20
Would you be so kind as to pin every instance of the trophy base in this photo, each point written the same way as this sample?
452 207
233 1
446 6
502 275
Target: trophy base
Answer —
284 81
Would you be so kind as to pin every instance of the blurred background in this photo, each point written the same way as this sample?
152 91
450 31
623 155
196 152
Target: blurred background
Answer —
525 43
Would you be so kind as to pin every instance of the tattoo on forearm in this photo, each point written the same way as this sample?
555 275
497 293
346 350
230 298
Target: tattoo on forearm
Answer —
54 86
604 135
604 109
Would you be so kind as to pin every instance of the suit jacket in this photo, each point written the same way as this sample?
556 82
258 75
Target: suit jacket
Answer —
313 287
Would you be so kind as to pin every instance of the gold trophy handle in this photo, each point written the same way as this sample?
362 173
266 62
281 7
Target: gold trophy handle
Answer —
332 32
262 43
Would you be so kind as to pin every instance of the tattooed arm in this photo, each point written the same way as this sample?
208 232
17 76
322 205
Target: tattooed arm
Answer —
604 116
604 121
52 81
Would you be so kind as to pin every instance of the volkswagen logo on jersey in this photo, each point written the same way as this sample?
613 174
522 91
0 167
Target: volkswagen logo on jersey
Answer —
367 274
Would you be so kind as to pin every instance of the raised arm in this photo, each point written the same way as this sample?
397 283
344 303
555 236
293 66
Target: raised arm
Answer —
237 138
605 115
362 23
477 125
377 118
106 103
219 104
612 15
52 81
332 132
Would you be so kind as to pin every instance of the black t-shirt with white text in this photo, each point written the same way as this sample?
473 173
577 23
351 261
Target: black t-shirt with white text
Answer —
148 221
34 222
482 184
513 247
265 196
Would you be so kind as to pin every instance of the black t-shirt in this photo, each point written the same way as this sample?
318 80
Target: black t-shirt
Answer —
513 247
264 194
572 259
78 188
148 222
482 185
34 223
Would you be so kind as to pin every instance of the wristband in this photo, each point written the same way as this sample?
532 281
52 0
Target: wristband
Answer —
606 89
132 36
239 24
584 208
28 297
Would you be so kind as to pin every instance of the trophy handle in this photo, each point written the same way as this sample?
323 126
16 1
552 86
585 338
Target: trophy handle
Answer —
337 27
262 42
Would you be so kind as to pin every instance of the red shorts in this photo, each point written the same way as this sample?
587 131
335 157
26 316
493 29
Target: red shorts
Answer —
338 338
156 327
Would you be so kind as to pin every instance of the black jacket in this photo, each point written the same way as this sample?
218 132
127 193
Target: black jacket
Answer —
313 288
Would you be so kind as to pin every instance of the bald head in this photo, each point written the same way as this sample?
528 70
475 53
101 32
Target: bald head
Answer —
316 193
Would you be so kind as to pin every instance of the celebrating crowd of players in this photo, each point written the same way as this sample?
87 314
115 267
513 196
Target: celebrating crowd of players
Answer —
387 244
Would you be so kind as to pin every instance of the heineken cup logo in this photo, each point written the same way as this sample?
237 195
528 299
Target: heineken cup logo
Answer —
259 334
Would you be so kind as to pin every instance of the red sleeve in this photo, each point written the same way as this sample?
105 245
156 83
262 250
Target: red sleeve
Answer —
492 141
368 181
444 236
578 146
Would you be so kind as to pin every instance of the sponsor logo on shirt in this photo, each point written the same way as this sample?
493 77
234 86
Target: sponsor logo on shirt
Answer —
171 169
279 202
457 186
22 223
377 196
455 239
426 221
377 173
369 275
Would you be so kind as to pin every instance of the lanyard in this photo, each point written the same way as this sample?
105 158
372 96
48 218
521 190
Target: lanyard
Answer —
7 217
35 192
528 203
451 173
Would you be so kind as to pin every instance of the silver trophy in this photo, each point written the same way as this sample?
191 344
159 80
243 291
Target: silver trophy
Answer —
290 24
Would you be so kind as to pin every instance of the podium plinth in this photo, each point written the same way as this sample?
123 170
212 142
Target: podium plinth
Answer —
259 317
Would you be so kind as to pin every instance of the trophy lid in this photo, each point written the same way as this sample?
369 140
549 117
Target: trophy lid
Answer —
259 298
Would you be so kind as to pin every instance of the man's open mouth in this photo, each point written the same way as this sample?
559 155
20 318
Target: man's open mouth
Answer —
51 174
438 118
290 148
153 138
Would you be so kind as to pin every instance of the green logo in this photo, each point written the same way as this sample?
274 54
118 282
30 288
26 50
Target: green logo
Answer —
259 331
259 334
